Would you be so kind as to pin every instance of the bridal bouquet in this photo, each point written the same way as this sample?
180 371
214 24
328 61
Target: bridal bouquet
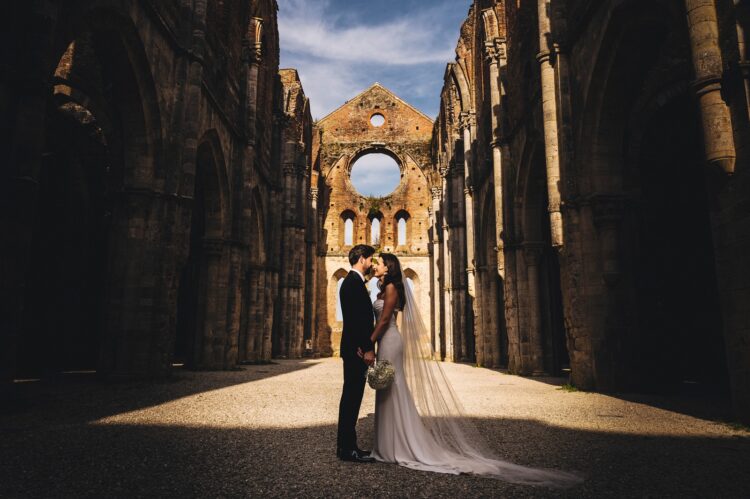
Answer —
380 375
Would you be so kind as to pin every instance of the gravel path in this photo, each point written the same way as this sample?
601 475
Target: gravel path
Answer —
270 431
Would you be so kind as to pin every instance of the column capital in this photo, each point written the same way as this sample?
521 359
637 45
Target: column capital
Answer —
437 192
467 119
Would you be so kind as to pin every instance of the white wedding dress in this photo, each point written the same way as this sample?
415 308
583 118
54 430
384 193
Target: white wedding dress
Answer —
404 437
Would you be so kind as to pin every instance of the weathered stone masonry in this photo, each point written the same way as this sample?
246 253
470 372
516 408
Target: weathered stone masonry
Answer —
603 149
154 154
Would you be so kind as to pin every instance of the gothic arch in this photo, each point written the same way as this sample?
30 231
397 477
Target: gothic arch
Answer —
461 82
120 51
210 155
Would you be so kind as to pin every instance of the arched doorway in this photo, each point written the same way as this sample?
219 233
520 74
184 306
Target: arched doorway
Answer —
97 140
658 325
679 342
198 293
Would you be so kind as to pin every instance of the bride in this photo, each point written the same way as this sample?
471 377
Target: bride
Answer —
419 422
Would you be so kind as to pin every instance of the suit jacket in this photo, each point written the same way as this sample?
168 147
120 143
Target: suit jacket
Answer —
359 321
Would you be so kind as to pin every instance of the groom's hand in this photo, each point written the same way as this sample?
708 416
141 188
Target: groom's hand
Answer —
369 357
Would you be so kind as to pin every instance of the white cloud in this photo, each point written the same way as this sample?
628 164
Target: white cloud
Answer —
338 55
307 28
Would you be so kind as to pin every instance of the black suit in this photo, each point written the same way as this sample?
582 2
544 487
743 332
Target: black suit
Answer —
356 309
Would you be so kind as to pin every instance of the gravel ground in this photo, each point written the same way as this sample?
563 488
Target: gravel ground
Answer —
269 431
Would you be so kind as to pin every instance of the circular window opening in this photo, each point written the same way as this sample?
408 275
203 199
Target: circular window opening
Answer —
377 119
375 174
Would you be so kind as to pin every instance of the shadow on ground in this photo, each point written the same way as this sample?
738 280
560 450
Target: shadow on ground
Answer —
93 460
700 401
81 397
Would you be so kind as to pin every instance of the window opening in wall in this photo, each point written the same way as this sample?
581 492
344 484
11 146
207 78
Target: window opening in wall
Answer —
375 232
348 232
401 231
375 175
377 120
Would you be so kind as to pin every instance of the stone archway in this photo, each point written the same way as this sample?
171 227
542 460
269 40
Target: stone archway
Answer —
255 342
98 142
543 338
643 175
345 136
201 330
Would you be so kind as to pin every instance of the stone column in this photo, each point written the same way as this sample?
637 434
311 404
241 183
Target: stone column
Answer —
288 255
496 52
512 310
437 276
447 272
707 63
211 338
607 214
532 255
468 124
311 282
549 110
256 307
459 286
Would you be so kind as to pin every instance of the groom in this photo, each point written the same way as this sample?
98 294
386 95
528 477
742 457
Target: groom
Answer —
357 351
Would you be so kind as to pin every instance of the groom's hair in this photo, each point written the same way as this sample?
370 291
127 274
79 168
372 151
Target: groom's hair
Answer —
360 250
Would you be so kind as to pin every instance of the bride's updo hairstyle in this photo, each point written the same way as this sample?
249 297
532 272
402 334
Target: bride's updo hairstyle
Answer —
395 277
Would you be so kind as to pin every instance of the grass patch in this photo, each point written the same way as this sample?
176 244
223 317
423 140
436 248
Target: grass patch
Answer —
567 387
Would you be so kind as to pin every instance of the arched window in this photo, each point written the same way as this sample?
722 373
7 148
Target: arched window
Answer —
348 232
401 228
401 231
339 313
375 232
347 228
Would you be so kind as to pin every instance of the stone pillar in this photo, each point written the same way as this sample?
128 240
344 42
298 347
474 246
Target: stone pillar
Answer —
512 309
607 214
707 63
447 272
211 341
254 54
549 110
468 124
532 255
138 340
437 275
286 330
496 52
255 302
459 286
311 282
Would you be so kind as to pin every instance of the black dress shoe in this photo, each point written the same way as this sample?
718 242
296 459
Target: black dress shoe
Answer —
363 452
356 457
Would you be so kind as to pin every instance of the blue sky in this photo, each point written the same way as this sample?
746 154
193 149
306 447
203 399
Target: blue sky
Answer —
341 47
375 175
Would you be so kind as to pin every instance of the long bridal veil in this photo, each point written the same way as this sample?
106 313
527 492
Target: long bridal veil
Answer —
444 417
